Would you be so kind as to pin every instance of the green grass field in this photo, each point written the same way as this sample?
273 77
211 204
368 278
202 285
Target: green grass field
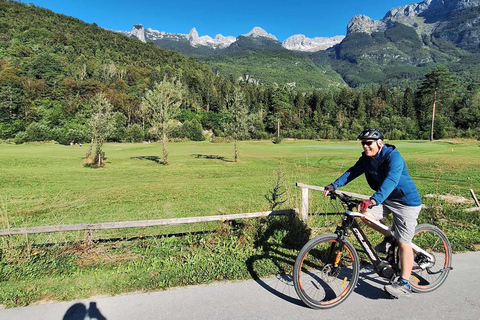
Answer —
46 184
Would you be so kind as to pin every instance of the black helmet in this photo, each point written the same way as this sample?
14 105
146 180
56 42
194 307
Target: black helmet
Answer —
373 134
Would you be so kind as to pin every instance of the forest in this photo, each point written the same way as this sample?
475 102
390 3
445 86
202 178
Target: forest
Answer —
52 66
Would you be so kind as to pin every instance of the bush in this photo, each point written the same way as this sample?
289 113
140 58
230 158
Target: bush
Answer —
193 130
277 140
134 133
10 129
20 137
119 121
38 132
65 135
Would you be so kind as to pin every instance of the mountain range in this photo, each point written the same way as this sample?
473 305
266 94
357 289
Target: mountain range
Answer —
297 42
396 50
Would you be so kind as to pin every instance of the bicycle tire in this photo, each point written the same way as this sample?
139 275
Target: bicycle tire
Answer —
429 275
318 284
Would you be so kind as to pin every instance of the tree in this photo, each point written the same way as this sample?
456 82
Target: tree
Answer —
160 105
240 119
101 126
437 86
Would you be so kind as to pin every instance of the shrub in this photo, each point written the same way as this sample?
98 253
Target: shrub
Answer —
20 137
38 132
277 140
134 133
193 130
65 135
119 130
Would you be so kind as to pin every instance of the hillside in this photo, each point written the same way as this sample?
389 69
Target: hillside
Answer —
396 50
51 66
400 48
260 60
275 67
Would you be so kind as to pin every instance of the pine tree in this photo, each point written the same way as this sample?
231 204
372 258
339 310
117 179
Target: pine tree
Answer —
438 86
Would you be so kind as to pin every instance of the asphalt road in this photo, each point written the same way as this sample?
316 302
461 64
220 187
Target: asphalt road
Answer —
275 298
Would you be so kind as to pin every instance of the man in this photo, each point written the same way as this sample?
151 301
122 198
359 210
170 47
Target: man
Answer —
387 174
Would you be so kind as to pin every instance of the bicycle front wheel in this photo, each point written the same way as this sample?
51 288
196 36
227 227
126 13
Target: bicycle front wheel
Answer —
325 274
429 273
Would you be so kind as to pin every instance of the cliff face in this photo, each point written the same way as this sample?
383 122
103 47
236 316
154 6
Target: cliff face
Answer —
457 21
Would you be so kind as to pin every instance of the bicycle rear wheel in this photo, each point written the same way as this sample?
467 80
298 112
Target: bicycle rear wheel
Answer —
427 274
319 281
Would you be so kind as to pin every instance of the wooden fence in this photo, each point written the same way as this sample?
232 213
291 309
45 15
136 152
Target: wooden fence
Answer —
305 195
90 227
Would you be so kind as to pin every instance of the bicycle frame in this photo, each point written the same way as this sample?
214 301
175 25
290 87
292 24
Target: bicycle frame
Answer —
385 268
384 227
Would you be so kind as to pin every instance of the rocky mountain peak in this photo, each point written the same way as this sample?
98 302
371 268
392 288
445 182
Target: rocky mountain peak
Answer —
362 23
139 32
300 42
193 35
429 10
259 32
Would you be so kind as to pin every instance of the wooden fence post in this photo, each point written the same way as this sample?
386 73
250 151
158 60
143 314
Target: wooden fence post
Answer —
88 237
304 206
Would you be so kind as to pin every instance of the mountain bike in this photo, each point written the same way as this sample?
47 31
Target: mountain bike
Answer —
327 268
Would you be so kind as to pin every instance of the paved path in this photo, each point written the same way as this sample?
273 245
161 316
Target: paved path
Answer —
275 298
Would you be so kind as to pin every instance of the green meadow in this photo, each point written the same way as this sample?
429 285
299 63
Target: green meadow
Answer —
46 184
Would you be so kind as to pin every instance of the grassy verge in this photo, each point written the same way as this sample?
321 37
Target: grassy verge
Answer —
45 184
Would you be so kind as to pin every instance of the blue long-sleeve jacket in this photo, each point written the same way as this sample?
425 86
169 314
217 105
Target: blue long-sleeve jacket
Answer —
386 174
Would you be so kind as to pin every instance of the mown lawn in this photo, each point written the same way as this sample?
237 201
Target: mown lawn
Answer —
46 184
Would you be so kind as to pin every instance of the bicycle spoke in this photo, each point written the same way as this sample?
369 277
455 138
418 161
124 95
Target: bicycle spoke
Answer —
428 274
322 283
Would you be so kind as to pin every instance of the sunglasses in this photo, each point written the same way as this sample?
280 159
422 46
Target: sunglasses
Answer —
367 143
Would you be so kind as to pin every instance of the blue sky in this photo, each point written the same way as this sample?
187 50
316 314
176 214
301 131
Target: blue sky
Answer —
313 18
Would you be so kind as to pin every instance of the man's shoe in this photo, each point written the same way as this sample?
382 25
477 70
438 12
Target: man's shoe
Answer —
399 289
385 245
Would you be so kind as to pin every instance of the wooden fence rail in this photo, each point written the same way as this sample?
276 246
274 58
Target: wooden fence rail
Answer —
305 191
90 227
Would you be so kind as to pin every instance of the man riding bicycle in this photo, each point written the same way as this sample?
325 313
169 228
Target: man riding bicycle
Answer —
387 174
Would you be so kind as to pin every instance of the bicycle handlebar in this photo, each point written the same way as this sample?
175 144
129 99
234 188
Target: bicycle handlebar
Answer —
349 201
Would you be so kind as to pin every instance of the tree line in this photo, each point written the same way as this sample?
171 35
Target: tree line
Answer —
53 68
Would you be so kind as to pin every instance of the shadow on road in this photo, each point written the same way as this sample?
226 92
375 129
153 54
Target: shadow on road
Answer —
369 285
79 311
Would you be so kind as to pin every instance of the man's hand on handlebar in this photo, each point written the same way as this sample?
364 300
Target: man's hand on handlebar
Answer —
327 189
365 205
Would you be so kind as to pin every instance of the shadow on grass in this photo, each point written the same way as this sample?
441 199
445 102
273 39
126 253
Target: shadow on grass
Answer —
150 158
296 234
210 157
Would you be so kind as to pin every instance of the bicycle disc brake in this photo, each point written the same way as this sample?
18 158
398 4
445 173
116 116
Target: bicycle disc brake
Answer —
329 273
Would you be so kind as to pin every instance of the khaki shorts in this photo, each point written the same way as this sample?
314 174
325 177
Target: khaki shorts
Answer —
404 218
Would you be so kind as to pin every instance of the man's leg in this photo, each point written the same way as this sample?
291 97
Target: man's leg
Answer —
386 233
406 259
404 221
